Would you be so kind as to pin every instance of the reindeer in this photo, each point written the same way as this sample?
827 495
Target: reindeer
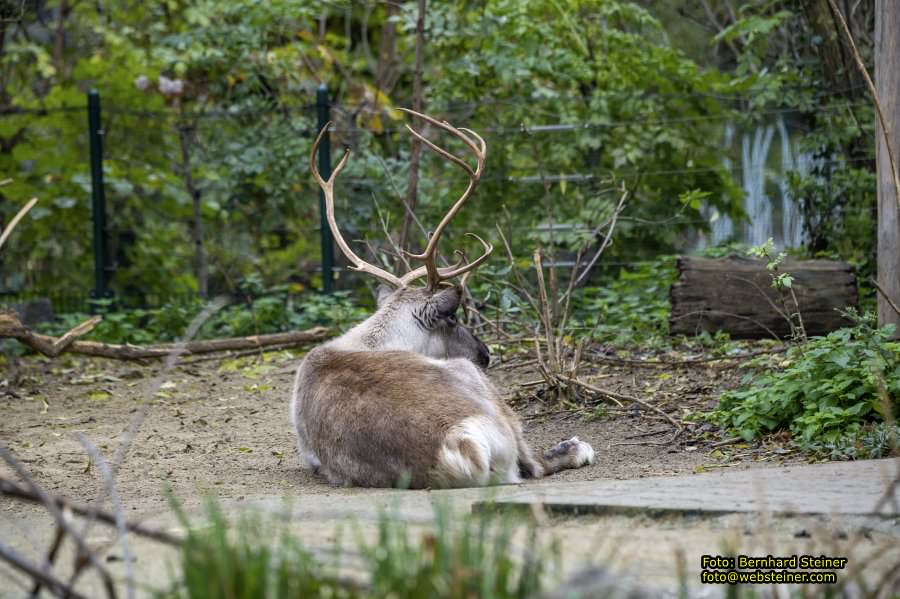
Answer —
401 399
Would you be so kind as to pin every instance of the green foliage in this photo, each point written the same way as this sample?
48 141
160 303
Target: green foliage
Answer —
248 75
838 201
456 558
783 283
788 58
647 110
272 313
640 105
633 308
871 441
824 391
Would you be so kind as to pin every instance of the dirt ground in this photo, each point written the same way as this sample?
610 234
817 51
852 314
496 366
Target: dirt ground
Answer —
222 426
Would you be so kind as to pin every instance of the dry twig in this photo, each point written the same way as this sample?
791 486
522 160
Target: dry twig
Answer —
15 221
84 552
885 295
690 361
110 483
41 575
618 398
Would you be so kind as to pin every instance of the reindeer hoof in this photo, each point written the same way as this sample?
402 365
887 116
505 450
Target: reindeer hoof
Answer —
579 452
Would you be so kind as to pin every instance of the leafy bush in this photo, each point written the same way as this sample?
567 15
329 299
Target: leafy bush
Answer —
824 392
271 313
457 558
872 441
632 309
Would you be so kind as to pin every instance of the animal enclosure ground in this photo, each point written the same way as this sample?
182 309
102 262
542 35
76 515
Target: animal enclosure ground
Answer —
222 426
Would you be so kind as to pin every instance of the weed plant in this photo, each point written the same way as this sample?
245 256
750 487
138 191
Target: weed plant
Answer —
836 394
456 558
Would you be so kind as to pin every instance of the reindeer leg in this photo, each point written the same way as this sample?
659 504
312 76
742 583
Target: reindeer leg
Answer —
529 465
571 453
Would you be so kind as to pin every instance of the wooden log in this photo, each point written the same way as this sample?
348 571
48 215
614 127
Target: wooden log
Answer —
735 294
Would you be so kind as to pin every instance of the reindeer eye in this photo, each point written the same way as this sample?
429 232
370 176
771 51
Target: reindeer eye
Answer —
451 320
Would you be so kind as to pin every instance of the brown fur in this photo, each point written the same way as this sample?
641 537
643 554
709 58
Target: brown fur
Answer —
357 422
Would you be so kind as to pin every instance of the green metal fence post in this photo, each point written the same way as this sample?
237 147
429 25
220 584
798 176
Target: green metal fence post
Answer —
98 200
323 108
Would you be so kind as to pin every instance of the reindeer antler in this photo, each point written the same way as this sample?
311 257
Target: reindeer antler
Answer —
479 148
358 263
428 257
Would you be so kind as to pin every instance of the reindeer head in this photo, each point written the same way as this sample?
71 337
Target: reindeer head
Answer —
418 319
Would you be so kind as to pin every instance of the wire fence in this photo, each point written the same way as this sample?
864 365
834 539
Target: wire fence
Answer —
150 154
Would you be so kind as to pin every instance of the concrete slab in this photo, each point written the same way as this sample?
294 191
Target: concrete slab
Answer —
620 537
847 488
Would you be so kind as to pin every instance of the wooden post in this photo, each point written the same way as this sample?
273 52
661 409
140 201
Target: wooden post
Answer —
887 81
98 200
323 110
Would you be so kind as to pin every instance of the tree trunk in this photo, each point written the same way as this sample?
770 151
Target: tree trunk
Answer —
415 154
387 49
887 81
59 42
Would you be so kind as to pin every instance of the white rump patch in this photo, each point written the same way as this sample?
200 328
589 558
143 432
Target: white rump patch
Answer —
476 452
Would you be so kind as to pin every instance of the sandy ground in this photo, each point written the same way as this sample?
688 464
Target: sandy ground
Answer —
221 427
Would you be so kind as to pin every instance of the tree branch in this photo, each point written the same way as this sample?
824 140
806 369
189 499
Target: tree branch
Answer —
12 328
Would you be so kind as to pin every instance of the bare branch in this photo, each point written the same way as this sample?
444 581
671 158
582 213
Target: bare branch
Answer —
110 483
15 221
12 328
40 575
884 294
54 509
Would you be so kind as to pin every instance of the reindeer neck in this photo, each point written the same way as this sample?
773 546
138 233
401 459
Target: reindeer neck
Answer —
369 335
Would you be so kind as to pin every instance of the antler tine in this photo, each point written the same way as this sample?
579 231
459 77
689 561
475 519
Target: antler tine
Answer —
455 271
461 267
479 148
357 263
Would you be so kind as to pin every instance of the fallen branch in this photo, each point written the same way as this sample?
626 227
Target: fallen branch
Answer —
663 443
618 398
10 488
729 441
12 328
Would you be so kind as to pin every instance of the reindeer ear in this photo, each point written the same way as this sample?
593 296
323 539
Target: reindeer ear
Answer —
447 301
382 293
